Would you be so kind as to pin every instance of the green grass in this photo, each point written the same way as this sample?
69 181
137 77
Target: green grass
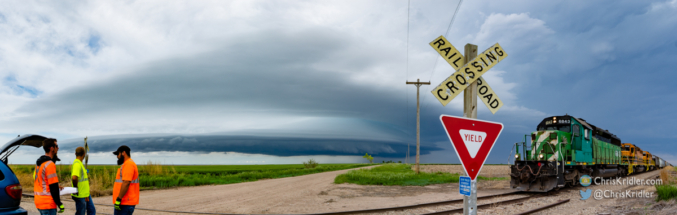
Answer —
394 174
460 164
482 178
154 176
204 175
235 169
398 174
666 192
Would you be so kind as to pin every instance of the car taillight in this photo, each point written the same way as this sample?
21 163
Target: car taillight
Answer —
14 191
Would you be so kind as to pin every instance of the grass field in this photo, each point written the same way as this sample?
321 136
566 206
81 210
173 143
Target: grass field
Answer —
668 190
398 174
153 176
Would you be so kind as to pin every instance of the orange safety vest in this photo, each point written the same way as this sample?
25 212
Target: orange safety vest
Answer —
127 172
45 174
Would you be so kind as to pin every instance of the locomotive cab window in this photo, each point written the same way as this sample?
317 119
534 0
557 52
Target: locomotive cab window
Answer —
586 134
564 128
576 130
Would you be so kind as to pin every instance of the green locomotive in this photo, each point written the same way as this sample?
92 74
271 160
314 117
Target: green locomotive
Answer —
563 149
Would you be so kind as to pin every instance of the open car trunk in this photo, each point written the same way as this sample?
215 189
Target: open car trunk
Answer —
23 140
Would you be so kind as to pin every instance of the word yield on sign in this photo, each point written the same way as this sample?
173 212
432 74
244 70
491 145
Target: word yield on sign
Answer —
472 139
466 74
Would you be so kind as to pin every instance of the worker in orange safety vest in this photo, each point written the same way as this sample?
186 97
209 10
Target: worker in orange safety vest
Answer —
126 186
46 183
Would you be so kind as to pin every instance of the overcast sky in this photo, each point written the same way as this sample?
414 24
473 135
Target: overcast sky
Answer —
297 79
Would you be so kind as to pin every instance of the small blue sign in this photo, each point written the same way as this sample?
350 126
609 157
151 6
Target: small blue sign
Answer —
464 183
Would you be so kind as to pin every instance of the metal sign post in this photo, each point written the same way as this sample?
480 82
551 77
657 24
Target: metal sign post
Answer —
470 111
472 140
467 78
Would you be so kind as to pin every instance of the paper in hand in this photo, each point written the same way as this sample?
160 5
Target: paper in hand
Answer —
68 190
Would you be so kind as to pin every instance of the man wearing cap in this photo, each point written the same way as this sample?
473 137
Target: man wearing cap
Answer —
46 182
80 180
126 187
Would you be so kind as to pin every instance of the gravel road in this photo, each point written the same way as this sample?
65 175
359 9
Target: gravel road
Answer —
316 193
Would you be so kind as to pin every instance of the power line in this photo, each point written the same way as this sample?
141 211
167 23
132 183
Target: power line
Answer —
406 77
446 34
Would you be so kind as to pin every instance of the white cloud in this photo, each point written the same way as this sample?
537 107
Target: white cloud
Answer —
513 28
55 55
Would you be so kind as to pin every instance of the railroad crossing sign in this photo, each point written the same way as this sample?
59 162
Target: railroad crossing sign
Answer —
472 139
467 73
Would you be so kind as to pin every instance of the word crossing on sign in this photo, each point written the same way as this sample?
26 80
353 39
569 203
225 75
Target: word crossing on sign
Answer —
455 59
466 74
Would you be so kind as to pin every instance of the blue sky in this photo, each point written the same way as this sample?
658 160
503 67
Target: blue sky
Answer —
284 81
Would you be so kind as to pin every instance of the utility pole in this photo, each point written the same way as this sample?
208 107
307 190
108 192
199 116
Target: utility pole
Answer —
470 111
418 84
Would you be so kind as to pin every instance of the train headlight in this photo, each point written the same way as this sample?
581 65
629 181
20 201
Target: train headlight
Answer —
541 156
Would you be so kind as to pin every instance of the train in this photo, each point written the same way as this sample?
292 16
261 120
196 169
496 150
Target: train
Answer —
565 148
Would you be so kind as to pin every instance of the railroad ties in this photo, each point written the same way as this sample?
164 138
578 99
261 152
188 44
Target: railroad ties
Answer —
433 207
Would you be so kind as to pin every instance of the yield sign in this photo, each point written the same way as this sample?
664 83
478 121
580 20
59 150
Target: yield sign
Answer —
472 139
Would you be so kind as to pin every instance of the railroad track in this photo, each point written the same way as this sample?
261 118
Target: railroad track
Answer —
440 207
432 206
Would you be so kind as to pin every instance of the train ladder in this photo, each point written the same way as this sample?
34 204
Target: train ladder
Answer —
630 168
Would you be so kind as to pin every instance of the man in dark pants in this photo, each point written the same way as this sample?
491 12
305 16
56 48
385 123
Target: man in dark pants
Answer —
126 186
46 183
80 179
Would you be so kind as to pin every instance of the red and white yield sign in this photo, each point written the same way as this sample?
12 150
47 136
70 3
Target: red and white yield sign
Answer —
472 139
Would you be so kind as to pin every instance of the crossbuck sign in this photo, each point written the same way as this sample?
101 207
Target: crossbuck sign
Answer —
467 73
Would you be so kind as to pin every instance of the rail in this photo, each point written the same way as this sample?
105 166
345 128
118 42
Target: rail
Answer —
544 207
417 205
493 204
333 213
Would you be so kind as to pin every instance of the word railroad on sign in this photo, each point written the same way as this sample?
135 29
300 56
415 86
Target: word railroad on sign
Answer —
467 73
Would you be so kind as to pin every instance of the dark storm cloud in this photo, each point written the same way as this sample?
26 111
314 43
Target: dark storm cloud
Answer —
278 146
612 67
266 71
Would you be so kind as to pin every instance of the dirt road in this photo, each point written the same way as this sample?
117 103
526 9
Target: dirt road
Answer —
314 193
317 193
